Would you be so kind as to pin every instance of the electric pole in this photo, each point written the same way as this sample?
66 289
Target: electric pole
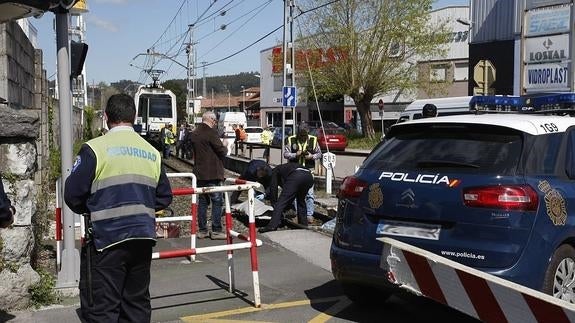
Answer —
288 63
204 93
190 107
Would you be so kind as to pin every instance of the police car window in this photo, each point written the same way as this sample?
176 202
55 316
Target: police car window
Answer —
469 149
543 155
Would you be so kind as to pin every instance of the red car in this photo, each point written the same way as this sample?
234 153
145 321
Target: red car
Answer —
332 137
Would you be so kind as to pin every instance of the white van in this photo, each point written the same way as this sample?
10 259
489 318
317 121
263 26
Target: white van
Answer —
228 119
445 107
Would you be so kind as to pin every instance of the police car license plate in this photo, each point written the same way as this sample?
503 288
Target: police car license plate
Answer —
412 230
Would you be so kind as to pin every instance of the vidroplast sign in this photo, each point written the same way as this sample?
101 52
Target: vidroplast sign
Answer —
549 76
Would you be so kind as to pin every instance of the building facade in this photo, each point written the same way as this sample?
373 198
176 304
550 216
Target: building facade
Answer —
452 69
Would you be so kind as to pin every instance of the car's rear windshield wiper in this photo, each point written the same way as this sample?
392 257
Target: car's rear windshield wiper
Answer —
444 163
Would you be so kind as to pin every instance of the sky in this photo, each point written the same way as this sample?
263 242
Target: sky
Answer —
120 32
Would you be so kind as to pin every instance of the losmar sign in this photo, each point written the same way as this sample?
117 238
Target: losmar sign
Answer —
547 48
548 76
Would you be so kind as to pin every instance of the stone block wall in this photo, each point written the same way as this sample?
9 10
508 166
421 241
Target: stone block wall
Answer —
23 138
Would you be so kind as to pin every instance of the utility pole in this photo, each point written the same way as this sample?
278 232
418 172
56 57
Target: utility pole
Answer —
204 93
243 99
190 108
69 274
288 63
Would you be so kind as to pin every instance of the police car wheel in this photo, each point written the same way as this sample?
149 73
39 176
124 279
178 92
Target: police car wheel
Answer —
560 275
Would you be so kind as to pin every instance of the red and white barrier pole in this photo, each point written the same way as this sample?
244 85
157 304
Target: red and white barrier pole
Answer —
252 242
193 210
229 225
58 220
253 249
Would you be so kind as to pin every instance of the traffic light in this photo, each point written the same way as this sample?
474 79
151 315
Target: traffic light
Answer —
78 52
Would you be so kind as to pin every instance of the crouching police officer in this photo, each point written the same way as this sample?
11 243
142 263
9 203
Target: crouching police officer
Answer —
117 180
295 181
257 171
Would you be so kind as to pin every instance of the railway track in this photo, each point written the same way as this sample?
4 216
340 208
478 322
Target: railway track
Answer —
321 215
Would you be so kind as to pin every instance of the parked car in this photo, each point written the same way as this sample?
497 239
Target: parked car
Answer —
332 138
493 192
254 134
277 139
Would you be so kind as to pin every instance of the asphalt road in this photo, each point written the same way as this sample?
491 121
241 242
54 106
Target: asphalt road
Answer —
344 166
295 282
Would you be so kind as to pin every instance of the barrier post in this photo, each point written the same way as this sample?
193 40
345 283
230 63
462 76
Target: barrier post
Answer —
193 211
58 233
253 249
251 241
229 226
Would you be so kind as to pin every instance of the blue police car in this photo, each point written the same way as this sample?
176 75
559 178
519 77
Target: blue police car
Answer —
492 191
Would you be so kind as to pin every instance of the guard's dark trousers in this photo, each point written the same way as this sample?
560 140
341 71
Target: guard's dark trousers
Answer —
120 283
295 187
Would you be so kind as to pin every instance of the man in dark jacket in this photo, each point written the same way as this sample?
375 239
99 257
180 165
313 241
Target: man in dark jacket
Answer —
209 154
7 211
257 171
295 181
118 182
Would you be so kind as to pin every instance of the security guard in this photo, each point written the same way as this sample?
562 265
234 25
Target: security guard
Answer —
117 180
304 149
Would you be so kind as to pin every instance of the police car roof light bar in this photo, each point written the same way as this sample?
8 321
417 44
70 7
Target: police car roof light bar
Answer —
554 103
496 104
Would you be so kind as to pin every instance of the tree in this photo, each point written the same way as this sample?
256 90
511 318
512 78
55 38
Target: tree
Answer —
368 47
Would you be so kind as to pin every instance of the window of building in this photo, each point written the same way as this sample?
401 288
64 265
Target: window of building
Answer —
437 73
461 72
278 83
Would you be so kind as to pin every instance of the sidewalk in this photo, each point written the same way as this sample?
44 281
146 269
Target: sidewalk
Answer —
179 288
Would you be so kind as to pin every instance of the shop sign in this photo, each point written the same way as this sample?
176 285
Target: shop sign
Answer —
546 77
547 49
547 21
532 4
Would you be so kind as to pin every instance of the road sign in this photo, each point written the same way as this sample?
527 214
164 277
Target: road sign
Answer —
327 159
289 96
484 76
380 104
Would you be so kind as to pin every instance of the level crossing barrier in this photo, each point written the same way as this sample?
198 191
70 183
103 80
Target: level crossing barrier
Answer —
468 290
251 242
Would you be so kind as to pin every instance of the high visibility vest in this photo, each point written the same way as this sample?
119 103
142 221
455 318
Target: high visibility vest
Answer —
122 204
169 138
309 145
266 137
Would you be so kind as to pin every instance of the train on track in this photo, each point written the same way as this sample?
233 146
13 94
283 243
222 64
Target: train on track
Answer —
155 107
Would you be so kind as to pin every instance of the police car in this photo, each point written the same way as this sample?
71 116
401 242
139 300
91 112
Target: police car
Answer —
492 191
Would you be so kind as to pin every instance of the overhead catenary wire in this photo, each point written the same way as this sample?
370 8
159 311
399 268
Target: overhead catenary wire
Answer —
204 18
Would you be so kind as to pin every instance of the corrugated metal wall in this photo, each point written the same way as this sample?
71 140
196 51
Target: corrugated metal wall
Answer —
495 20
